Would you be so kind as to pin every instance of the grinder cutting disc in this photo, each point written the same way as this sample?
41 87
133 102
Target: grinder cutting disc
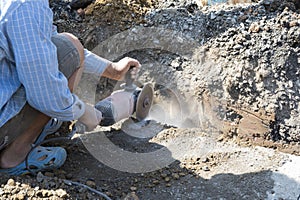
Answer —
144 102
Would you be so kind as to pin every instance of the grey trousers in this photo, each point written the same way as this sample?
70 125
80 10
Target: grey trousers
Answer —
68 61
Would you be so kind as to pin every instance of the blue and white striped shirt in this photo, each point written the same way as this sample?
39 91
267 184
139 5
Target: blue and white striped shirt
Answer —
28 63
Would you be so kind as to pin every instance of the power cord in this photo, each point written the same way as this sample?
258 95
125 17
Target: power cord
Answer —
68 182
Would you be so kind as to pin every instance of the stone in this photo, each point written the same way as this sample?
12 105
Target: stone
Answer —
11 182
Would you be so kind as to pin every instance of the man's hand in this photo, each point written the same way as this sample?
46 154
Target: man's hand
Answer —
117 70
91 117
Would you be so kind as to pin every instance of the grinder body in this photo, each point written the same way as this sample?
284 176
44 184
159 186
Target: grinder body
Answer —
124 103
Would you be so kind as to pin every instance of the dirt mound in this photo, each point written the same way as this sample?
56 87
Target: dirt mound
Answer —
261 67
119 12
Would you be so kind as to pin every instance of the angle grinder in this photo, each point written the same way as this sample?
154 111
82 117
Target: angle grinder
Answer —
131 101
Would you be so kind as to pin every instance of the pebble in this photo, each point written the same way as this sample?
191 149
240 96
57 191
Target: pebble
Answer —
131 196
91 183
205 168
20 196
11 182
254 28
182 174
133 188
213 16
167 179
175 176
61 193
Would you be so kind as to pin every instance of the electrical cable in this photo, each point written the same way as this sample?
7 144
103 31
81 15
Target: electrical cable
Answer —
68 182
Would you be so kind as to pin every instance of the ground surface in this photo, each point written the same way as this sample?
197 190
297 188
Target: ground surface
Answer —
225 121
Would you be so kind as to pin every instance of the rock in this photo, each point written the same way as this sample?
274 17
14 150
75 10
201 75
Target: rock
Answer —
131 196
91 183
40 177
167 179
205 168
61 193
182 174
46 193
133 188
69 176
11 182
20 196
293 23
254 28
213 16
175 176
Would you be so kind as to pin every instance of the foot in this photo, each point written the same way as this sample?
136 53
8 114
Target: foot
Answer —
14 154
39 159
17 151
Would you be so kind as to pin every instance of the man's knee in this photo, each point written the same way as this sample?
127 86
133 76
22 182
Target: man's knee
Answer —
77 44
70 53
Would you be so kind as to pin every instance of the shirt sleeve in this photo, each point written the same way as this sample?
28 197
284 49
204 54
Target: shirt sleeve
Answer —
94 64
29 30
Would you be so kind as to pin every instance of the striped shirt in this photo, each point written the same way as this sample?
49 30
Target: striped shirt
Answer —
28 63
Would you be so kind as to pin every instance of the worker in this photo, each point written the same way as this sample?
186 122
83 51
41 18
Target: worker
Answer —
39 71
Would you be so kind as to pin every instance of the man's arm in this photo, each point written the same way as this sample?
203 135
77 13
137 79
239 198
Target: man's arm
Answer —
113 70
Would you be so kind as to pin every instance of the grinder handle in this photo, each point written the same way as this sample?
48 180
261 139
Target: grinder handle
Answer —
129 86
128 79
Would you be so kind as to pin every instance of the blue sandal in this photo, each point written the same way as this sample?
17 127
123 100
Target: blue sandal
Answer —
39 159
51 127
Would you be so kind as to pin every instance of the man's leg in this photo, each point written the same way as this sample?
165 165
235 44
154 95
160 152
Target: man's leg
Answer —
16 152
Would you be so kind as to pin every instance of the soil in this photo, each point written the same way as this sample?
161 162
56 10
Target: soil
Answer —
226 81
